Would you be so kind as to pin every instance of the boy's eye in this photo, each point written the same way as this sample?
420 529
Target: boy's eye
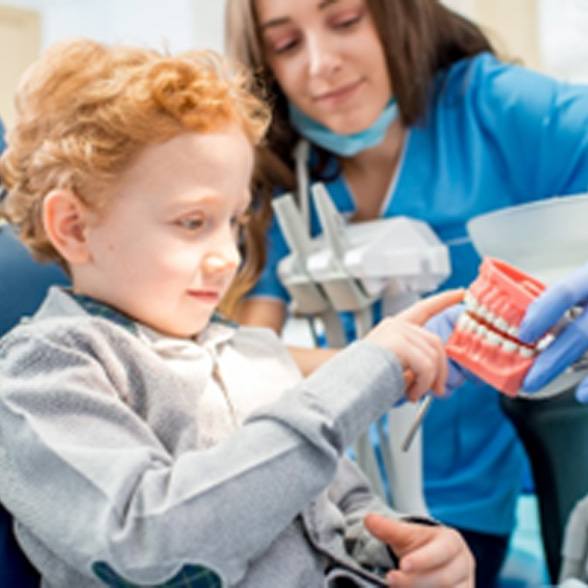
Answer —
240 220
191 223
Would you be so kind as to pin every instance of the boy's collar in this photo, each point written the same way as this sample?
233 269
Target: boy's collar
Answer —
96 307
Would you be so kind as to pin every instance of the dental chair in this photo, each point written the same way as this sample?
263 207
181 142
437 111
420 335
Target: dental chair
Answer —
23 284
554 432
23 281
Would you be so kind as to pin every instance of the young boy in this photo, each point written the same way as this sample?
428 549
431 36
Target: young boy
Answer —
144 441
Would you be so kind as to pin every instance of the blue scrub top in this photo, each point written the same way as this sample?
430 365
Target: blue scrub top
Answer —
495 135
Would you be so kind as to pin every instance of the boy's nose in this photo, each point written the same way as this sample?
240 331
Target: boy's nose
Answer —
221 262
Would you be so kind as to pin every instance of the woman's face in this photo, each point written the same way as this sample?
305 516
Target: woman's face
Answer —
328 59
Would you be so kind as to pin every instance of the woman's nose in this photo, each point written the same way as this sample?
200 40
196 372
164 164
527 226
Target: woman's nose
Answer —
323 55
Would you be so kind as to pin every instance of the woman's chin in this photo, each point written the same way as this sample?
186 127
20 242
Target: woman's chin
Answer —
349 124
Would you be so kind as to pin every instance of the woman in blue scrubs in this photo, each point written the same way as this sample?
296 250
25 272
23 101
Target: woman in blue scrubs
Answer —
407 111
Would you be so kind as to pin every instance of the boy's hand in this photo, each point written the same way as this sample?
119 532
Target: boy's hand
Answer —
419 351
429 555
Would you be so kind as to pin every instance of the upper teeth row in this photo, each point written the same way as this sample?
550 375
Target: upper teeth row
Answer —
467 324
485 313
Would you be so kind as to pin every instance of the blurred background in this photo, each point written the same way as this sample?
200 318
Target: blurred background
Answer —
547 35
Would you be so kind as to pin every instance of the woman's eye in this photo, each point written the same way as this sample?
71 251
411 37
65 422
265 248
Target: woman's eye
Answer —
347 22
283 45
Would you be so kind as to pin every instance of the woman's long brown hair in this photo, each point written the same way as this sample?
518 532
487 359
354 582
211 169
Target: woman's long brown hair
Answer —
420 38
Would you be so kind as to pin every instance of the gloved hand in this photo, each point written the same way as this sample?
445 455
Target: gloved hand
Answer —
442 325
570 344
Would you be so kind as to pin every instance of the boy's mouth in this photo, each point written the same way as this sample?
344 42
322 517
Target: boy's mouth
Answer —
206 296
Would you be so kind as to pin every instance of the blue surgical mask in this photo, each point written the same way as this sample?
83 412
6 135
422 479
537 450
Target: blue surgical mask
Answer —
344 145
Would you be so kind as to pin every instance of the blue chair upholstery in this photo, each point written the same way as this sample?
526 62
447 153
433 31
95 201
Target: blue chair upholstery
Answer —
23 284
23 281
15 569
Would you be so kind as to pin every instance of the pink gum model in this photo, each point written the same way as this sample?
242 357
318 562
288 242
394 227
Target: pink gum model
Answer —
485 339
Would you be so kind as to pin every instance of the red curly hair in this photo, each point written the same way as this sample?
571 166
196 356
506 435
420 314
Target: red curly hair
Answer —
84 111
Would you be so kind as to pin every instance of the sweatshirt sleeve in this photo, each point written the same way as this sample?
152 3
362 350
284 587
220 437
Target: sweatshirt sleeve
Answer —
352 492
67 438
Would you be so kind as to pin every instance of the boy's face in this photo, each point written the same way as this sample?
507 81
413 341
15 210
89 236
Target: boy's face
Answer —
165 250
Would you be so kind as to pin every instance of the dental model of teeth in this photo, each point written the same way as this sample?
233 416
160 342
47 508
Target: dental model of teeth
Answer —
485 339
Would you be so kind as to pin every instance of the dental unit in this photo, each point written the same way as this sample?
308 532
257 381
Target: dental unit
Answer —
347 268
350 266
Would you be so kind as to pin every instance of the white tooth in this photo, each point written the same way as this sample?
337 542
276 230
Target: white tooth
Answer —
501 324
475 307
513 332
509 346
462 322
469 299
493 338
470 324
483 311
545 341
482 330
490 316
526 352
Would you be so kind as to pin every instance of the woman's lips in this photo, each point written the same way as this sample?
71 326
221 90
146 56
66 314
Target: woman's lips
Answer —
340 94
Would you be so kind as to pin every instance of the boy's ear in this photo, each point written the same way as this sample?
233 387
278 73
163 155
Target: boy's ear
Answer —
65 219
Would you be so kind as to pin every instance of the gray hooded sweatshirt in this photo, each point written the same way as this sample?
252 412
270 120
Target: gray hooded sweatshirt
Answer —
132 459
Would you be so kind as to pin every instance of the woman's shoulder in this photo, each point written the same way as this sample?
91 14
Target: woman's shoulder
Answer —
485 88
484 61
486 77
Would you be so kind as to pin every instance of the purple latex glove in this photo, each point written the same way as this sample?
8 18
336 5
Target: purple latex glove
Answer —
570 344
442 325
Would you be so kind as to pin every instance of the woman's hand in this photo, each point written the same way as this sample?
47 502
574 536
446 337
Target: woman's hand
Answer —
419 351
569 345
428 555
